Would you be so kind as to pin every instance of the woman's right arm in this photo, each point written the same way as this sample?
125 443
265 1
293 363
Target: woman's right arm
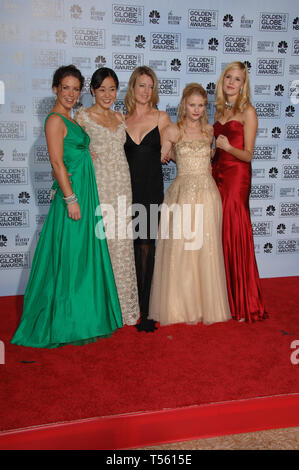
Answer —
55 133
168 138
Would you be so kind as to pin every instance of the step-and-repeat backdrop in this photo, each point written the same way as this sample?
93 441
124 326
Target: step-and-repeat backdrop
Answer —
183 41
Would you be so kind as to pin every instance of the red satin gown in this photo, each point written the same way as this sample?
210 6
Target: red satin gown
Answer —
233 178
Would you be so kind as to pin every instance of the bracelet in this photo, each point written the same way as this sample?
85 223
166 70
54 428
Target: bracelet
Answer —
70 199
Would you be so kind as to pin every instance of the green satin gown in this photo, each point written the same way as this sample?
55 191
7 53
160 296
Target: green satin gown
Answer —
71 296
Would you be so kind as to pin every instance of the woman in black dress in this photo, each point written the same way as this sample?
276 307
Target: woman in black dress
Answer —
145 124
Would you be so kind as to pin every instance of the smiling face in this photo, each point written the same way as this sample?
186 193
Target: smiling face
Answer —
105 95
67 92
233 81
195 106
143 89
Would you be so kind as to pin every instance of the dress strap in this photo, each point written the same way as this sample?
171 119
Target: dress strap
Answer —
158 118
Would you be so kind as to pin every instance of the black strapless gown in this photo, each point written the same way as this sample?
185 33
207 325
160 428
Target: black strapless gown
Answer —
147 189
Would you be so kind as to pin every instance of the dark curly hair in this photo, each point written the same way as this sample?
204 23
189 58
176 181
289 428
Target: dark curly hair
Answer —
66 71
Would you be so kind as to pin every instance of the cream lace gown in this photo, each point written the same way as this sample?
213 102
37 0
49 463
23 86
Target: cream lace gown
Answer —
113 180
189 282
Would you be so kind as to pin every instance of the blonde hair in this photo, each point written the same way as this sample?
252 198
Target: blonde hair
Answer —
243 100
192 89
130 101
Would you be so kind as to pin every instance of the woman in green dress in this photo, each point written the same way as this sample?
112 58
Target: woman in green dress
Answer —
71 297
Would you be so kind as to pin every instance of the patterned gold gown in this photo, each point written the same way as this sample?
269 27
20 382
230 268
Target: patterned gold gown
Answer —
189 282
114 188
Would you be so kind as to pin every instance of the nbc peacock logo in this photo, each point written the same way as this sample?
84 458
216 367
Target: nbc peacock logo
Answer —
175 65
278 90
282 47
270 210
211 88
247 65
281 228
3 241
296 24
286 153
154 17
268 247
273 172
24 197
276 132
140 41
228 20
290 111
213 44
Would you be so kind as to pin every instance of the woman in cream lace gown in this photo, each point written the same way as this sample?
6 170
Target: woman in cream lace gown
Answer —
189 278
106 130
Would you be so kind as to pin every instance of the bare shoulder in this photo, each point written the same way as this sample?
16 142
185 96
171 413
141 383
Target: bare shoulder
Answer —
164 118
249 112
54 123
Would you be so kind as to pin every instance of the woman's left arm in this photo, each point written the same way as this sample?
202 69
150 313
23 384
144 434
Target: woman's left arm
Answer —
250 129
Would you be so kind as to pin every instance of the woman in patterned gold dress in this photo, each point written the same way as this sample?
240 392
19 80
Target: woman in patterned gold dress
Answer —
106 129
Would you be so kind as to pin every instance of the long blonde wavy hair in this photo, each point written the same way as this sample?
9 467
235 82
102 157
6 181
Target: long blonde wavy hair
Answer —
130 101
192 89
243 100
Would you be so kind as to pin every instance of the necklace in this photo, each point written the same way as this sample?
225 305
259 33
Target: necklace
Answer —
229 105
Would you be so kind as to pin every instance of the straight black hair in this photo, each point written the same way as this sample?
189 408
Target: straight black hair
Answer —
66 71
100 75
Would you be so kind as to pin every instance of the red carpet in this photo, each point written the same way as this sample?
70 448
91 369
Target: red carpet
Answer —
177 366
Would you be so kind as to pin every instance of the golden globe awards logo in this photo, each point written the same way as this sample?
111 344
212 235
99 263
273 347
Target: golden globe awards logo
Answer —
43 196
199 64
14 218
41 154
287 246
14 260
262 229
290 172
126 62
13 176
273 22
89 37
165 42
270 67
13 130
262 191
128 15
267 109
237 44
292 132
265 152
289 209
202 19
169 87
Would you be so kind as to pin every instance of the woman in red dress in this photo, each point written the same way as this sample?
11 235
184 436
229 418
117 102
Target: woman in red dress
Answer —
235 131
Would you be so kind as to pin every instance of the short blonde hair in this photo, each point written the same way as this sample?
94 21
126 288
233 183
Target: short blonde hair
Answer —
130 102
189 90
243 99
